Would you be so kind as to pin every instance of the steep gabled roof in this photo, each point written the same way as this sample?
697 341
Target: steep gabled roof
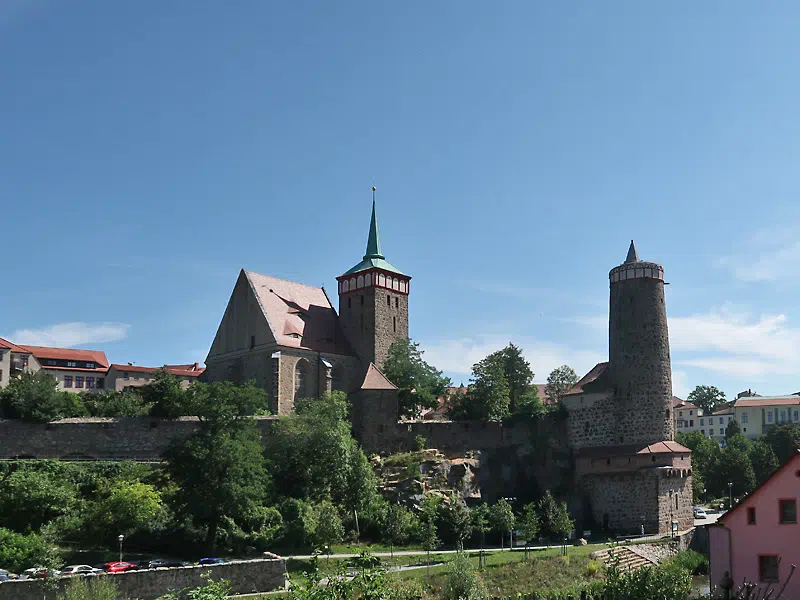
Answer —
595 380
299 315
376 380
792 463
6 345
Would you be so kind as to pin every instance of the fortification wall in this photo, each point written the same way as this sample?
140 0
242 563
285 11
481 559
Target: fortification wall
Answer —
246 577
99 439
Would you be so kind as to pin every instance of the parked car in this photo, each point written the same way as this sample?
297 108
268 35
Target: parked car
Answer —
80 570
118 567
6 576
164 564
38 573
210 561
699 513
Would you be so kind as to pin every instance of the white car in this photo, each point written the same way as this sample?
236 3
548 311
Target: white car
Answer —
80 570
699 513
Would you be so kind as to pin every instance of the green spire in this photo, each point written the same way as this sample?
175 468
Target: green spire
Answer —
374 240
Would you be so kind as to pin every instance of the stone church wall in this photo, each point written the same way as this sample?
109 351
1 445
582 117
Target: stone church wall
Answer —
245 577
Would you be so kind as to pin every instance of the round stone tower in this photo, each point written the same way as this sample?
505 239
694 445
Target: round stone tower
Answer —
638 352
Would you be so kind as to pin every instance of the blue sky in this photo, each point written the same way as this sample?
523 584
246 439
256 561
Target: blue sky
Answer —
149 150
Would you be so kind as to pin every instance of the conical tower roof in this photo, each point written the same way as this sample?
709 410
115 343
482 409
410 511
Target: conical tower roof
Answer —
633 256
374 258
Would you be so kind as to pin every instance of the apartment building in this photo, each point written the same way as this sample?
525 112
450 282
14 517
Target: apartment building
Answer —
686 415
125 377
75 370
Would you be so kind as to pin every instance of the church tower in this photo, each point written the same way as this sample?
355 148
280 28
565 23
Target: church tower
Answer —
638 351
373 301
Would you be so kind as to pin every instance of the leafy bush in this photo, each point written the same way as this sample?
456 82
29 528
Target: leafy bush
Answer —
688 560
81 588
462 581
19 552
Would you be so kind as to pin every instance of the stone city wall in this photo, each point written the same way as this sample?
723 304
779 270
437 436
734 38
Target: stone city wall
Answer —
625 501
594 420
245 577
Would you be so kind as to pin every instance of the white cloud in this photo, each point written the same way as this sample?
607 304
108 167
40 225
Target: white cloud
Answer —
767 255
680 384
458 355
63 335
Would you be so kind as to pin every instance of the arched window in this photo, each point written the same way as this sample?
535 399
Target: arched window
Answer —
337 378
395 284
345 285
368 279
382 279
360 281
301 379
353 283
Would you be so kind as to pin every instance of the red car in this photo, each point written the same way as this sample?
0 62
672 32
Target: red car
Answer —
118 567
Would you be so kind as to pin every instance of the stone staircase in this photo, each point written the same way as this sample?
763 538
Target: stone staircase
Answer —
627 557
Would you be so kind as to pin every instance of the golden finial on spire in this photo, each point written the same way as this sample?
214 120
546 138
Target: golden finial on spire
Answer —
374 188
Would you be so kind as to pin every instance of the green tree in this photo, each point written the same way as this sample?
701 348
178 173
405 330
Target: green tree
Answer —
706 397
554 518
732 429
763 460
129 506
35 397
90 588
361 484
31 499
460 521
518 375
482 524
111 403
488 395
211 590
502 518
784 441
419 384
429 535
329 529
398 525
705 454
559 381
164 395
219 469
19 552
529 525
733 466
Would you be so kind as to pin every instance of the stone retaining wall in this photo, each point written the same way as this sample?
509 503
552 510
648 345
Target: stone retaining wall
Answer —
247 576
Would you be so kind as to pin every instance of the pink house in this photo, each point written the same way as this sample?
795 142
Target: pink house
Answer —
759 540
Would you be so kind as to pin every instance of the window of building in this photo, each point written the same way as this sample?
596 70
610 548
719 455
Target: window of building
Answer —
396 302
51 363
90 382
769 417
744 417
67 381
787 509
691 412
702 422
388 300
797 415
721 420
721 431
252 342
1 355
101 383
71 363
125 375
680 424
782 416
300 379
349 303
744 429
394 324
730 419
24 360
680 413
275 382
751 515
90 365
768 568
691 422
703 431
78 382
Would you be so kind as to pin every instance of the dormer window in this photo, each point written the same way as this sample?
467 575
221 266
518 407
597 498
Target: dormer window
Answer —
90 365
71 363
51 363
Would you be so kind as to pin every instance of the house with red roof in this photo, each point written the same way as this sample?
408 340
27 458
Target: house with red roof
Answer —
75 370
758 540
289 338
122 377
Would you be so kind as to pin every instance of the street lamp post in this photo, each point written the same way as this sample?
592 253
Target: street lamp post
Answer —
730 495
120 538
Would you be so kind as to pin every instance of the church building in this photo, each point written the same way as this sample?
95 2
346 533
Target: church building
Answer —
289 339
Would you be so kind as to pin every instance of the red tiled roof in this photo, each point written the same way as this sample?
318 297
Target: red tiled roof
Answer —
375 380
6 345
42 353
300 316
750 402
174 369
190 367
596 380
795 461
665 447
